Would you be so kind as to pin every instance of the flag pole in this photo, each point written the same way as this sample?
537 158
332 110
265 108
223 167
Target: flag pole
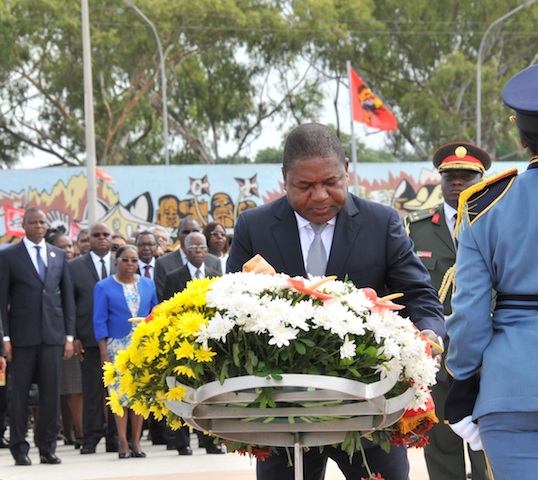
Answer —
353 145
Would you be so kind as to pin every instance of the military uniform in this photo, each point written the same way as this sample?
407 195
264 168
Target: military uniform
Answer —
493 357
435 246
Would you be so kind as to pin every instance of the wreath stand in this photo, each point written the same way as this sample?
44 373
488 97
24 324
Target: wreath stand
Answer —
312 410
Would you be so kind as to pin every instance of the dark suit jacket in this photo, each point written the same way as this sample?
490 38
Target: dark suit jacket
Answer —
434 245
370 247
35 312
177 279
172 261
84 278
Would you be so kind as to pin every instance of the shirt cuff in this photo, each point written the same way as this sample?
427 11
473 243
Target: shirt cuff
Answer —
69 338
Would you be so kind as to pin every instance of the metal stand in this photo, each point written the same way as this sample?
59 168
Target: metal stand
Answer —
312 410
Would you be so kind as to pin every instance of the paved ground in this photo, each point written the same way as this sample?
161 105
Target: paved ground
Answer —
159 464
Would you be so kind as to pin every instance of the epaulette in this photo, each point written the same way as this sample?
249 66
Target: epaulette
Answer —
478 199
419 215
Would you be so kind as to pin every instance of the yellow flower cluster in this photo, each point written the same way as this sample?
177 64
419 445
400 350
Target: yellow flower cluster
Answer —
162 346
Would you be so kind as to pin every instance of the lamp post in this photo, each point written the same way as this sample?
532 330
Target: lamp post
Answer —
479 68
89 128
163 79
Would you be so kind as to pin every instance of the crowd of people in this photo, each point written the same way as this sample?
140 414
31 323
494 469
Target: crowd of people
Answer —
463 268
84 296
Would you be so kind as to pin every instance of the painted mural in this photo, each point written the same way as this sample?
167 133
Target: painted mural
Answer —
131 199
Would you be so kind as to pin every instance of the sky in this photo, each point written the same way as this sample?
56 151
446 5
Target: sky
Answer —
271 137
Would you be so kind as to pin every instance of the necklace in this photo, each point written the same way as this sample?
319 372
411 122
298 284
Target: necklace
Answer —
534 159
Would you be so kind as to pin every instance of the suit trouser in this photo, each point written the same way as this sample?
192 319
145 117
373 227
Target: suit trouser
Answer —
93 417
182 438
41 364
392 466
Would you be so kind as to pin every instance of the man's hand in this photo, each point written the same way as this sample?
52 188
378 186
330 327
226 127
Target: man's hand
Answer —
69 349
435 342
79 350
9 351
3 364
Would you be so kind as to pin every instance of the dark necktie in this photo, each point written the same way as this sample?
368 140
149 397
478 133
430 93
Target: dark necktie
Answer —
146 271
454 231
316 260
103 269
41 267
198 273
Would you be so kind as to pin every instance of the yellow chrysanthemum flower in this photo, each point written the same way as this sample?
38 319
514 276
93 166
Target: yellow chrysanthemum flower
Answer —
171 336
113 401
109 374
190 323
184 370
185 350
146 376
176 423
140 408
151 348
176 393
204 355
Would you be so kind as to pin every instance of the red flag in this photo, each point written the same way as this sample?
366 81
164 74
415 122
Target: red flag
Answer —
13 219
103 175
367 108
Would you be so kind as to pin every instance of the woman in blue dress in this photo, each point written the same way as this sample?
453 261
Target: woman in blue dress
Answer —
117 299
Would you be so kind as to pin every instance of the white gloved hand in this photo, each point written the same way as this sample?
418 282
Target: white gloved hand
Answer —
468 430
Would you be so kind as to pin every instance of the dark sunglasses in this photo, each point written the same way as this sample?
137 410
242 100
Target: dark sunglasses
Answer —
114 247
127 260
100 234
186 232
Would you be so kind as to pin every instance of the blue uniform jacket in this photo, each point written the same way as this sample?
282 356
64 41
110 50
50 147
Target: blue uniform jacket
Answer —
496 252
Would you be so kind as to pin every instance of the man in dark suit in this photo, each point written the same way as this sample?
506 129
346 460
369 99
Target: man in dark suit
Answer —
173 260
195 244
461 165
86 270
352 238
38 317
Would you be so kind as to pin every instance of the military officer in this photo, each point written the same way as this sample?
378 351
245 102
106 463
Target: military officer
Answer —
494 398
460 165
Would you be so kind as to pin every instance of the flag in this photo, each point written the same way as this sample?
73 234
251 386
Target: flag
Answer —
367 108
13 220
103 175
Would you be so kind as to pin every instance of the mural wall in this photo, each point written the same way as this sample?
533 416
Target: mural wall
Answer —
134 198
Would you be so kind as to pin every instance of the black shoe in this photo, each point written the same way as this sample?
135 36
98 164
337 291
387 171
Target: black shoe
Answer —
87 449
112 448
215 449
4 443
184 450
125 455
23 460
49 458
170 446
140 454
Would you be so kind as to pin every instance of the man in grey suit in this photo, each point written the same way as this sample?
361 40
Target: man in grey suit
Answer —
173 260
354 238
38 318
86 270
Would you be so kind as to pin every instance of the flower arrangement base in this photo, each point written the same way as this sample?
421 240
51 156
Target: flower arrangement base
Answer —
311 410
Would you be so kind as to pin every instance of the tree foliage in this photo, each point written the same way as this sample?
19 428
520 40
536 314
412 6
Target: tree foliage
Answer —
236 66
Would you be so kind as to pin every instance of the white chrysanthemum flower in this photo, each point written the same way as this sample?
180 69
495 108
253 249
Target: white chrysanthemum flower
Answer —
219 327
347 350
281 335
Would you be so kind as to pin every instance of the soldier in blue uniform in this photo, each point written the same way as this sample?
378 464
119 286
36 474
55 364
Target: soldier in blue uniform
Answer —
493 356
460 165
